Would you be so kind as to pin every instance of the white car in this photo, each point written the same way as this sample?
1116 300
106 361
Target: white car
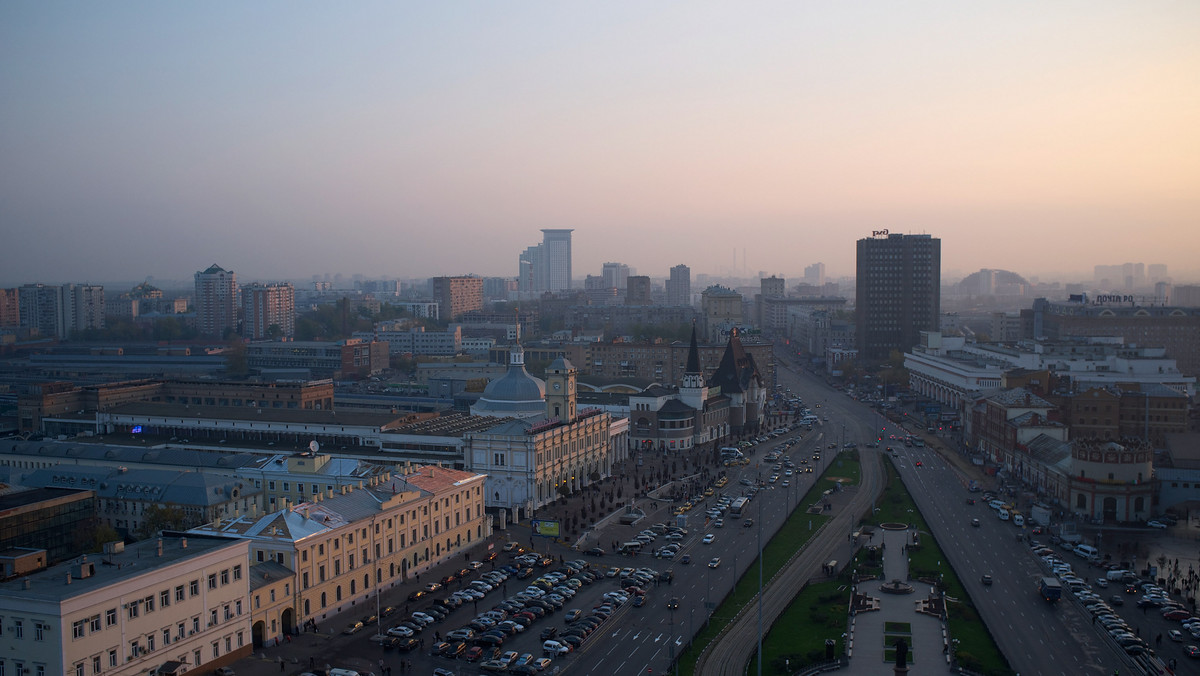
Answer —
1156 524
708 539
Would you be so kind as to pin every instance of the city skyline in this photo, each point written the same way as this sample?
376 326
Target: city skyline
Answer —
145 140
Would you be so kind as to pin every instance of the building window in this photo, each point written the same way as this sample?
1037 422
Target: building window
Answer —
179 593
166 636
237 572
77 629
110 617
164 598
95 622
95 664
224 577
212 581
194 587
112 658
212 617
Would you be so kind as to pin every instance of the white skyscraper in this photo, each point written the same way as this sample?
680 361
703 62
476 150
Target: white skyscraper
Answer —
556 256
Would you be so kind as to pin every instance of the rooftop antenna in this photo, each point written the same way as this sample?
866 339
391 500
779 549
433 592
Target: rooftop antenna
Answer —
314 446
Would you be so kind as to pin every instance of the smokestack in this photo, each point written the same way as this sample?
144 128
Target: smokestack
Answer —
68 581
183 543
160 546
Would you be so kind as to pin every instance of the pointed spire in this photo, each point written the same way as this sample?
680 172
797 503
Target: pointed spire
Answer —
693 358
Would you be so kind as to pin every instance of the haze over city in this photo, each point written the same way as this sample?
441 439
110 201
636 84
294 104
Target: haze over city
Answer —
411 140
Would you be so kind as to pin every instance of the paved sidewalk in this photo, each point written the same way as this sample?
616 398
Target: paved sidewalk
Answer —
869 639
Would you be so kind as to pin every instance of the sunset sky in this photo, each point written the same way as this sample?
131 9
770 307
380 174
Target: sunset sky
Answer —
416 139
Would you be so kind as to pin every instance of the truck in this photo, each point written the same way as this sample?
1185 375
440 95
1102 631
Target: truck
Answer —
1050 589
1039 514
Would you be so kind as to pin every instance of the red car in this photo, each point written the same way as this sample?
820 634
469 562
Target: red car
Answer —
474 654
1176 614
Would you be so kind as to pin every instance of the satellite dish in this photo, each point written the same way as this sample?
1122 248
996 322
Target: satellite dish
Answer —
314 446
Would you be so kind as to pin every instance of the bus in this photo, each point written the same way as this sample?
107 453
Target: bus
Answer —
738 507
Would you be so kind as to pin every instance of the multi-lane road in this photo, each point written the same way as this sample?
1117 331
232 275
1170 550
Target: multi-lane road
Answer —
1036 637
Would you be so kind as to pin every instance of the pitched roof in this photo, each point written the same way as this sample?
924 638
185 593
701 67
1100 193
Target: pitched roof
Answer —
693 358
737 368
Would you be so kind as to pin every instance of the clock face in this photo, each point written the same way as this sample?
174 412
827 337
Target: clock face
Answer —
558 386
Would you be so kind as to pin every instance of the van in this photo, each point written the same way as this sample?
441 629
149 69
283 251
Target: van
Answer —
631 547
1114 575
1003 514
1018 520
1087 552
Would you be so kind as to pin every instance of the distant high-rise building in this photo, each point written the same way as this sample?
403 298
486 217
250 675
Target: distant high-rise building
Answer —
1124 277
531 272
898 294
615 275
1185 295
457 295
42 309
679 286
267 305
772 287
84 308
556 252
216 301
721 311
768 288
10 313
815 274
58 311
638 290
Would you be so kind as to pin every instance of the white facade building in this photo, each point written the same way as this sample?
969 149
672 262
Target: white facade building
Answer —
172 604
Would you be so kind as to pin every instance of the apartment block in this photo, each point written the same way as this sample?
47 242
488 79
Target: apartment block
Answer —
457 295
268 305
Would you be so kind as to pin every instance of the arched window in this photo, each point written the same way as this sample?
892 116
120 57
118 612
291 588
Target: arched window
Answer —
323 601
337 593
1081 501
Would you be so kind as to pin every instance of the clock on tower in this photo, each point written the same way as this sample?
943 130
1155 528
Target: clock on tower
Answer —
560 392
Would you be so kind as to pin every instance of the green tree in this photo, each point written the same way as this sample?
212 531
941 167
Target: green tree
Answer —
274 332
162 517
235 359
100 534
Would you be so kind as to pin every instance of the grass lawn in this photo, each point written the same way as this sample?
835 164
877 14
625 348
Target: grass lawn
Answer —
976 649
794 534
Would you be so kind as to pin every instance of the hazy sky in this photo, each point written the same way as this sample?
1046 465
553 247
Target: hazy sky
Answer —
280 139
